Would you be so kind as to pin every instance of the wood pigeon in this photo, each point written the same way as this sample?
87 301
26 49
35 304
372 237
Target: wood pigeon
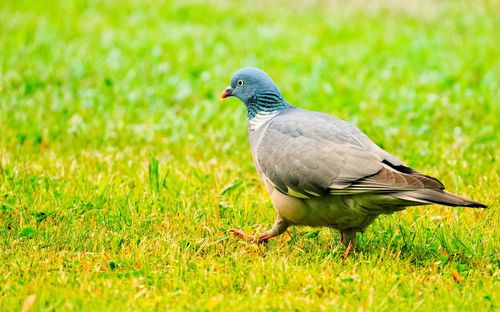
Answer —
323 171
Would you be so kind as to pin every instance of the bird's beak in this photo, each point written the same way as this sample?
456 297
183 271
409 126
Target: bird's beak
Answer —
227 92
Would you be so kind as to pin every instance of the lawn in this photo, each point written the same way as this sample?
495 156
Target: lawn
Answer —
121 171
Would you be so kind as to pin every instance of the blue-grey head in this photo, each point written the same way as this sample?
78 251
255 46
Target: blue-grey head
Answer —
256 90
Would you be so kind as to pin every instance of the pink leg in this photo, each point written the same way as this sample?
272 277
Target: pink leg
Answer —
348 238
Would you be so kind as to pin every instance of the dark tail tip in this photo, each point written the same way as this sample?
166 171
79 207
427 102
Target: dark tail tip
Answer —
460 201
441 197
475 205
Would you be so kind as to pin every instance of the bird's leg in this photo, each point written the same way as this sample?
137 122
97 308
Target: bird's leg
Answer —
279 227
348 238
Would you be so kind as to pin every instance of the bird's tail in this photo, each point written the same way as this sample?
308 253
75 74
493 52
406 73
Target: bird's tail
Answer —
440 197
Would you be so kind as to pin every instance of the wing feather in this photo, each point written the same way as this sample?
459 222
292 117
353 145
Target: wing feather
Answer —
306 154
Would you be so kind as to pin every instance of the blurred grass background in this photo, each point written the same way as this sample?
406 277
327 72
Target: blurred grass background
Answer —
121 172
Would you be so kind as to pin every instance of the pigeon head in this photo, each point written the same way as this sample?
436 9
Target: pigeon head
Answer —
256 90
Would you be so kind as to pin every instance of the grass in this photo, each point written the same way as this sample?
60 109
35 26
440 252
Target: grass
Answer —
121 172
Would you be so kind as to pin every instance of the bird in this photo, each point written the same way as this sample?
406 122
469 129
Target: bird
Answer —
322 171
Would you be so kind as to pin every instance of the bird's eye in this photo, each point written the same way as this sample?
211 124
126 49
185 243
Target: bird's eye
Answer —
240 82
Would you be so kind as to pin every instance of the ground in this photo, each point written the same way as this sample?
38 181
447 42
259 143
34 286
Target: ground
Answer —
121 172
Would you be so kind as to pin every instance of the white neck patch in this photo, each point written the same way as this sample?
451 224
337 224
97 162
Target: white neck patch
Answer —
261 118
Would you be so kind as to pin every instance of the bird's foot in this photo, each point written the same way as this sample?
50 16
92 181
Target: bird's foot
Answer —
349 250
263 238
348 238
241 234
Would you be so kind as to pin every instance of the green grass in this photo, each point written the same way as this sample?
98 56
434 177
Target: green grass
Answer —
121 172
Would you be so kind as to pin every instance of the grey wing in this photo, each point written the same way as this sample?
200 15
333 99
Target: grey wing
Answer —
308 154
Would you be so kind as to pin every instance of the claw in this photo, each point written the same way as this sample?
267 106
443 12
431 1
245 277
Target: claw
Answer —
263 238
242 235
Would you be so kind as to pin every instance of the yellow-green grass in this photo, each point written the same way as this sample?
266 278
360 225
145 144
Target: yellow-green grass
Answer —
121 172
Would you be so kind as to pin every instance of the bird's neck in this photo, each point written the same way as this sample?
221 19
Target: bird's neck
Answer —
265 104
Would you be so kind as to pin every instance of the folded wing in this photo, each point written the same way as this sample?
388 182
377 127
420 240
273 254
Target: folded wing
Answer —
306 154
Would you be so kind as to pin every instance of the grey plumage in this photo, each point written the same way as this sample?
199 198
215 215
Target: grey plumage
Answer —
322 171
